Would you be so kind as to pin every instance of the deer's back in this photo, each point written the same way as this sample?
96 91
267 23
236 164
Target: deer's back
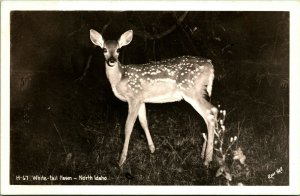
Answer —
184 72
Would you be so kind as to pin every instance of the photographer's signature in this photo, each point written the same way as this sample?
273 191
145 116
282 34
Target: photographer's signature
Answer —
278 171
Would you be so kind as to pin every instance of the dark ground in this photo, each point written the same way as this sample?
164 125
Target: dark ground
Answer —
64 126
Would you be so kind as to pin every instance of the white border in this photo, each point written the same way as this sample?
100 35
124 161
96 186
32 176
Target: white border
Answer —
292 6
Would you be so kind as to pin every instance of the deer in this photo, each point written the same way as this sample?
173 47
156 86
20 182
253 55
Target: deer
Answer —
188 78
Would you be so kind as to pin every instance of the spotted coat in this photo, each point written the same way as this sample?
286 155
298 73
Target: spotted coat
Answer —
183 70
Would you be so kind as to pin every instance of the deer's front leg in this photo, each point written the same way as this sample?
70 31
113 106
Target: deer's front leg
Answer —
133 109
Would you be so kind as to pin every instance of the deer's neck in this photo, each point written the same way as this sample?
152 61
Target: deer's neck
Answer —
114 74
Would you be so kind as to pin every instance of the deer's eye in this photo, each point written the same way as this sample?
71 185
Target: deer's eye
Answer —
105 50
118 50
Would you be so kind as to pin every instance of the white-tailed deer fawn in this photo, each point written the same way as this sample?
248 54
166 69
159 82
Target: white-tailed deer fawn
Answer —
187 77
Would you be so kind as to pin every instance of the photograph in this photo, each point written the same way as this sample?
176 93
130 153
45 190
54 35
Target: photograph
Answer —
148 97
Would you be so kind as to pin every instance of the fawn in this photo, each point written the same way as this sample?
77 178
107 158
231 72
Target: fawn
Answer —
186 77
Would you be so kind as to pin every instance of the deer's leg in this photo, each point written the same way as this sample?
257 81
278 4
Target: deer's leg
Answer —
144 124
209 114
133 108
203 147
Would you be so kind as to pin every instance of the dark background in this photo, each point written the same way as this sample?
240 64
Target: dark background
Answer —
66 120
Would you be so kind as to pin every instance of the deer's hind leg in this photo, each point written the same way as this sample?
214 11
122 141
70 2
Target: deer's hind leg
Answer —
209 114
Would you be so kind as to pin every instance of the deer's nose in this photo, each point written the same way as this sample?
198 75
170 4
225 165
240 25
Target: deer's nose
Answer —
111 61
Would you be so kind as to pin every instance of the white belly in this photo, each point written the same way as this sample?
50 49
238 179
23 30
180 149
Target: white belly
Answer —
168 97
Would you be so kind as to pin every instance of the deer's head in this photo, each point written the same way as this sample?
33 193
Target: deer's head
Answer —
111 48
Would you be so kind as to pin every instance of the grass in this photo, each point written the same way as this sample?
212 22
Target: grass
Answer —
55 141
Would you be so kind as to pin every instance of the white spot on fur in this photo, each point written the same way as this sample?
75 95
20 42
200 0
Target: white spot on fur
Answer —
214 110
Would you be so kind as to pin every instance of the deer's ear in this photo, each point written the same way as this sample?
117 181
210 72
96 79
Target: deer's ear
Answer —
125 38
96 38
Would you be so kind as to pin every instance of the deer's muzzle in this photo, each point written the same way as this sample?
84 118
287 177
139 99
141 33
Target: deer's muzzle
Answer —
111 62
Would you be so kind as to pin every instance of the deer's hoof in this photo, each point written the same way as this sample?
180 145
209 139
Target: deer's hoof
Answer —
122 160
207 161
152 148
